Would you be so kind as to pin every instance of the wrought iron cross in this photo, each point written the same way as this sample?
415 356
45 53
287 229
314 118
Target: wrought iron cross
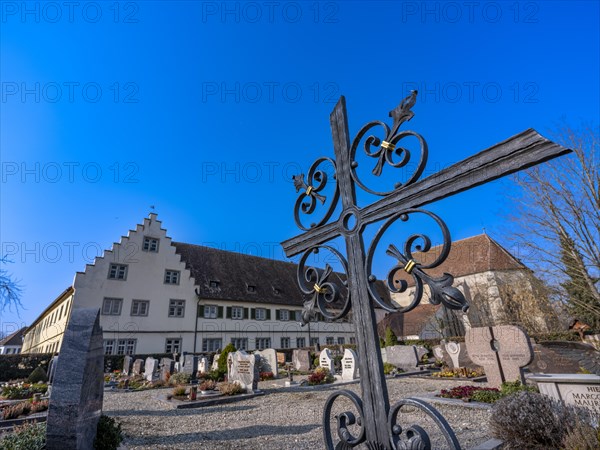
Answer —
377 421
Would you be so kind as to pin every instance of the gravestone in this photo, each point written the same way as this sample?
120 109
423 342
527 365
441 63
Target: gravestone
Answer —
280 358
190 364
326 361
76 400
203 365
458 355
440 353
151 369
242 368
52 369
301 360
581 390
502 351
383 354
349 365
421 352
268 361
403 356
127 361
138 367
215 364
167 365
564 357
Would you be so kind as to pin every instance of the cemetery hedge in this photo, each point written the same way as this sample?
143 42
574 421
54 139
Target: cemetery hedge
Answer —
17 366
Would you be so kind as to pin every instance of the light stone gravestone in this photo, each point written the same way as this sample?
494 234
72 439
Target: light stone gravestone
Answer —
151 369
326 361
76 400
440 353
203 365
268 361
127 362
52 369
502 351
301 360
215 364
403 356
167 365
383 354
421 351
138 367
242 368
349 365
572 389
280 358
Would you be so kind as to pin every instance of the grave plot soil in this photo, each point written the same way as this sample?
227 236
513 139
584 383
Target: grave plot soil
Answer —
280 419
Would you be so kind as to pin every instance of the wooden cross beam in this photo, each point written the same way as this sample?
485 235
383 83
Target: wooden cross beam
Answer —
516 153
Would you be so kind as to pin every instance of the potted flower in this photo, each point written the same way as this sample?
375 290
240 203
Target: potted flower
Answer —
207 387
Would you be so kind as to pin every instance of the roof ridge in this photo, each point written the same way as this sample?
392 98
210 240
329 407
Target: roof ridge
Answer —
215 249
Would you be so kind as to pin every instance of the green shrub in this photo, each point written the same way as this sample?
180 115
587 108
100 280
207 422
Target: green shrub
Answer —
20 366
486 396
180 378
108 434
23 391
38 375
390 338
513 387
179 391
321 375
528 420
388 368
229 348
29 436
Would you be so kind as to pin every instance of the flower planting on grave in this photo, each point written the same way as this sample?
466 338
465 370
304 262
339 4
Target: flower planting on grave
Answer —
266 376
22 390
26 437
208 385
320 376
230 388
23 409
459 372
179 392
485 395
180 378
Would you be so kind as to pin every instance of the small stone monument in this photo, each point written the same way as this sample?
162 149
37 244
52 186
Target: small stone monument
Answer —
78 388
301 360
215 364
349 367
268 361
127 362
326 361
151 369
203 365
138 367
167 365
502 351
403 356
242 368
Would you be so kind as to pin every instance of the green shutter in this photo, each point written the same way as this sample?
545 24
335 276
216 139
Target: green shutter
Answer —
220 312
268 314
277 315
200 310
228 312
252 313
246 313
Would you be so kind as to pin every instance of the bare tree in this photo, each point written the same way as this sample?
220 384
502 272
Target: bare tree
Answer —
10 290
557 220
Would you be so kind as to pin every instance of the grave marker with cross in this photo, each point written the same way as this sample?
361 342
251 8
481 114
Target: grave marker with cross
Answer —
377 421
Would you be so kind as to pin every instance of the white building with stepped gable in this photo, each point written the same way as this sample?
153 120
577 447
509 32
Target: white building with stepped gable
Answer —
160 296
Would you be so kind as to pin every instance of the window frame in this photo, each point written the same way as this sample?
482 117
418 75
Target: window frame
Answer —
174 344
261 340
263 312
112 300
236 341
208 312
176 306
136 301
285 342
234 312
117 267
151 240
211 348
300 340
168 277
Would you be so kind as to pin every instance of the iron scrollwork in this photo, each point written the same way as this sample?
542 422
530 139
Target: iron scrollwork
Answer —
441 289
316 181
385 149
320 289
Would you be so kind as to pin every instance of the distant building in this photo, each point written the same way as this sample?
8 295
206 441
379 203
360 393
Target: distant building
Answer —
499 288
12 343
160 296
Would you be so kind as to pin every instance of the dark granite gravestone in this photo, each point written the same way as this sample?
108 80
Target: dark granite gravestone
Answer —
190 364
564 357
127 363
78 389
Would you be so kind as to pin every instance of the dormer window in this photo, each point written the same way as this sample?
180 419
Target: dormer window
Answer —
251 289
213 284
276 291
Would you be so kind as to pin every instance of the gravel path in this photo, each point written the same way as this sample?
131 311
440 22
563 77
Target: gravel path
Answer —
281 419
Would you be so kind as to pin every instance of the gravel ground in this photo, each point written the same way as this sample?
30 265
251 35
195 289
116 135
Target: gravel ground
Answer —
281 419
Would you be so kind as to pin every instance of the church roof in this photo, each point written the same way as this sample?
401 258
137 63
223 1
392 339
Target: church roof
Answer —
468 256
410 323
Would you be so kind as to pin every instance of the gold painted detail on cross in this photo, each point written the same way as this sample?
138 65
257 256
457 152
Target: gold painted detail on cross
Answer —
309 190
388 145
410 265
319 289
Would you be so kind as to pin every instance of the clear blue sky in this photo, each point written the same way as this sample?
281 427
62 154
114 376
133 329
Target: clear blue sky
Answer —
206 109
